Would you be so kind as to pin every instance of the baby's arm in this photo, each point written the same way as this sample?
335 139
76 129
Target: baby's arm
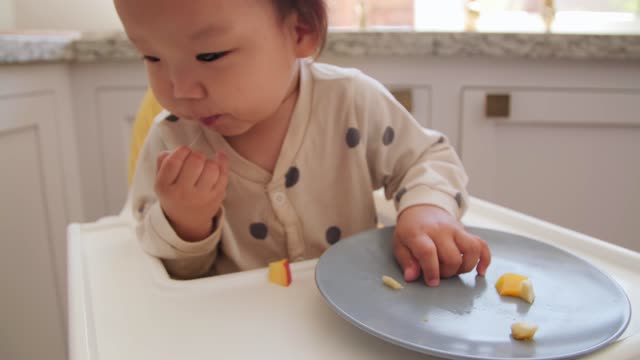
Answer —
415 165
187 250
421 171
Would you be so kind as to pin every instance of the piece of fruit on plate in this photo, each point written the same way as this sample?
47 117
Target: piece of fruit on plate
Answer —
523 331
279 272
516 285
391 282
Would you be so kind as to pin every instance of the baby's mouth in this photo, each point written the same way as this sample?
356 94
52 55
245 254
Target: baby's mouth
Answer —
209 120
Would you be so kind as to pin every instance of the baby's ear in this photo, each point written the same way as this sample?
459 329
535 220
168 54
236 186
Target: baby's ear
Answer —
307 41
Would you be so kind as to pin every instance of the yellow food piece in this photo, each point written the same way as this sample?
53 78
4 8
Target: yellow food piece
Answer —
523 330
279 272
516 285
510 284
391 282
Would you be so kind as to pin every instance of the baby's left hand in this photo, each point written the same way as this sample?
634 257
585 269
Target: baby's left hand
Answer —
428 239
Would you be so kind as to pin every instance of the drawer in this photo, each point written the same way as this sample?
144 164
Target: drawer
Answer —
591 107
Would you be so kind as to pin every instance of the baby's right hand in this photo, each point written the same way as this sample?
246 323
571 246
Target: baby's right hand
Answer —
191 188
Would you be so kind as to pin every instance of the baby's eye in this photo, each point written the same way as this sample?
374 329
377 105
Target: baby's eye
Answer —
150 58
209 57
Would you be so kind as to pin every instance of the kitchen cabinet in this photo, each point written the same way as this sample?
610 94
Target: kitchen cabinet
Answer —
569 155
38 189
106 99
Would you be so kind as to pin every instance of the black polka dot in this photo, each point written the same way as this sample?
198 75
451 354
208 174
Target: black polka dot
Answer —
400 194
258 231
389 134
333 234
172 118
353 137
441 140
292 177
459 199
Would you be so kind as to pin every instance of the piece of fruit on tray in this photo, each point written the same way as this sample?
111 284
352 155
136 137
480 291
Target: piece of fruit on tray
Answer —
279 272
516 285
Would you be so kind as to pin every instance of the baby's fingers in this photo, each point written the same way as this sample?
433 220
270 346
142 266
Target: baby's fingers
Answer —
209 176
448 254
220 187
470 248
163 155
223 161
212 171
192 169
475 250
425 251
171 166
485 258
408 263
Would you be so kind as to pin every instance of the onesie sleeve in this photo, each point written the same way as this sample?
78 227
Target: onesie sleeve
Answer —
182 259
415 165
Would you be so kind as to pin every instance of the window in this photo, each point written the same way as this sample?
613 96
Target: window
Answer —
564 5
494 15
371 13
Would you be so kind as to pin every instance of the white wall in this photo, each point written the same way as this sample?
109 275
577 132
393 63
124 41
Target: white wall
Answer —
83 15
7 15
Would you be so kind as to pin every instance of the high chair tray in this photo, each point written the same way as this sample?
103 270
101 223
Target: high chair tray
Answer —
122 304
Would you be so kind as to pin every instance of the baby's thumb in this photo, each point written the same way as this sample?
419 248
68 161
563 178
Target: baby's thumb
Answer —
409 265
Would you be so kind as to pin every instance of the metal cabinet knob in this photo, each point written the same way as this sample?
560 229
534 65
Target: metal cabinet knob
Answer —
497 105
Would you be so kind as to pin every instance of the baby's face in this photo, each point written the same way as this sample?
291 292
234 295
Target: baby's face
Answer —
227 63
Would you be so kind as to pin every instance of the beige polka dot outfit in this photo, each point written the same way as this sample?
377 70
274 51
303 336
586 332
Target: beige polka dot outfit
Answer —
347 137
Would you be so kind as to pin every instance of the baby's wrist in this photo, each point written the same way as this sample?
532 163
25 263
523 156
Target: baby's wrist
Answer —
194 233
193 230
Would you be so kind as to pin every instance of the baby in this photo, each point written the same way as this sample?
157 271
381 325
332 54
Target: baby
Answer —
264 154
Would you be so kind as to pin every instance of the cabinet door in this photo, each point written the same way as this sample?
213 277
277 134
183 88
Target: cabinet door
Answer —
117 110
106 100
33 220
569 156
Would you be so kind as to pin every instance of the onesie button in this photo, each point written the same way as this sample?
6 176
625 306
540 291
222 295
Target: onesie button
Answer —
279 198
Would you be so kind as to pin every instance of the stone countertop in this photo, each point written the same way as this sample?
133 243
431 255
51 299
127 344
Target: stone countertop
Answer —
60 47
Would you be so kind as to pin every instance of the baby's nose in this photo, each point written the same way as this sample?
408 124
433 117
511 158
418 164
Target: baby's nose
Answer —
185 89
185 85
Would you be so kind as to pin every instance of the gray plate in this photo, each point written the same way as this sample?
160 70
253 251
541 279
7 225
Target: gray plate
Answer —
578 308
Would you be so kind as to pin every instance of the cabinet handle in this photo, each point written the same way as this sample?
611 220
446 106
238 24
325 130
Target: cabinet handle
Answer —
404 97
497 105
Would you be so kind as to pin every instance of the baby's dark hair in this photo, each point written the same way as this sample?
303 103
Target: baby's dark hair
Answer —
313 13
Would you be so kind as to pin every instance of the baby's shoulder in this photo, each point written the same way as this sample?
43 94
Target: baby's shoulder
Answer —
343 81
328 72
337 75
348 87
